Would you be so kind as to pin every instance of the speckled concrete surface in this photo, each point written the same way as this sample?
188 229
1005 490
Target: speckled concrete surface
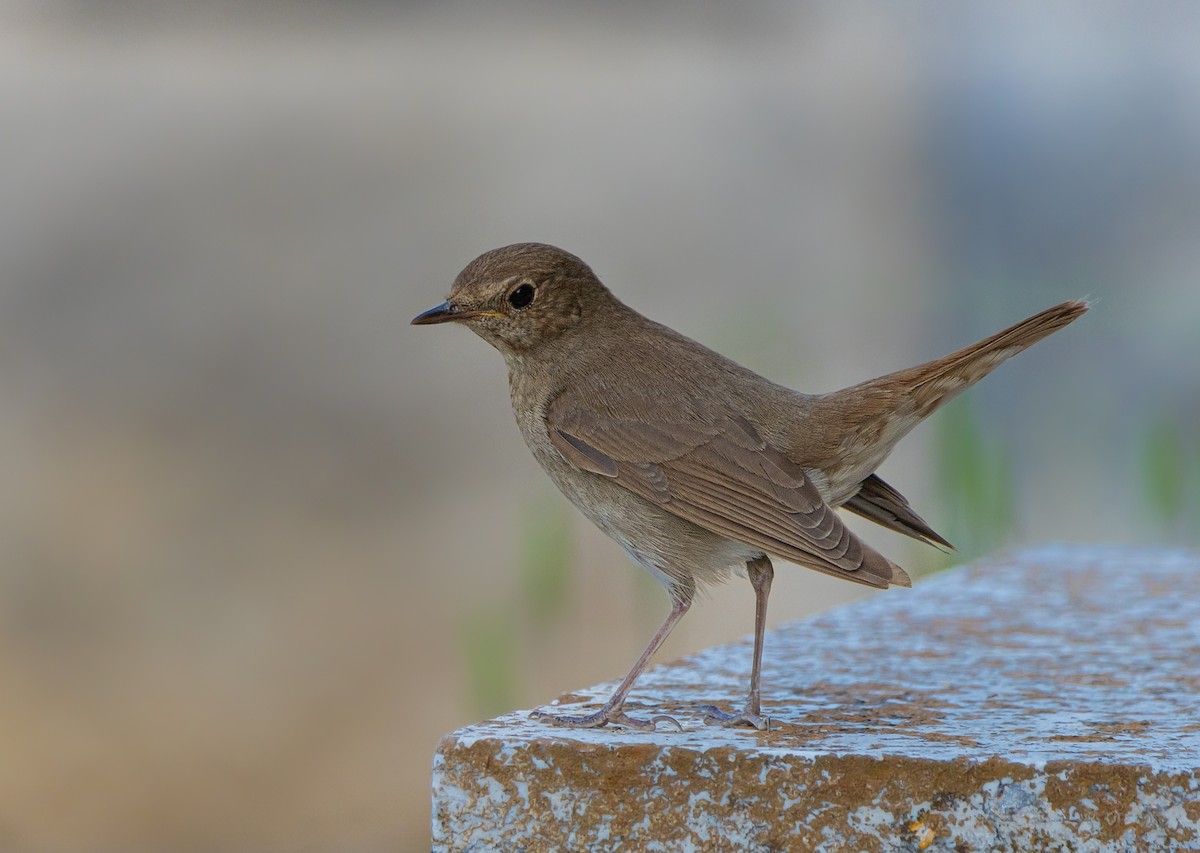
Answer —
1044 700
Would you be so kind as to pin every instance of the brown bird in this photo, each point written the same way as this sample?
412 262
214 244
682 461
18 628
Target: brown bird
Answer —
694 464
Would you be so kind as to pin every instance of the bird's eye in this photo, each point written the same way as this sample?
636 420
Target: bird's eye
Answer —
521 296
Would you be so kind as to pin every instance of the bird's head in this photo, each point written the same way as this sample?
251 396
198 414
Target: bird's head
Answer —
520 296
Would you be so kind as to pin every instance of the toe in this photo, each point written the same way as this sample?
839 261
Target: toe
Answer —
715 716
604 717
591 721
645 725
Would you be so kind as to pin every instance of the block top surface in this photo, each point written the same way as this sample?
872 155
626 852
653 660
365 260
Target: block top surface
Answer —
1061 653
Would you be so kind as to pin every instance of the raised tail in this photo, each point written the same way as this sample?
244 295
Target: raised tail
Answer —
930 385
879 412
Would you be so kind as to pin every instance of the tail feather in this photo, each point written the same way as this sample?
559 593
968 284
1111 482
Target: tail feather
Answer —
876 414
930 385
882 504
900 577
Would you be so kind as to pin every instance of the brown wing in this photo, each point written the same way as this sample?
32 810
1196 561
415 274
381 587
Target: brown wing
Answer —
724 477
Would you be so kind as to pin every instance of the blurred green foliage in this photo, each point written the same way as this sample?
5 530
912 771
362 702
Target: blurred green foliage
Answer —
491 638
1170 476
1162 465
974 476
489 641
544 548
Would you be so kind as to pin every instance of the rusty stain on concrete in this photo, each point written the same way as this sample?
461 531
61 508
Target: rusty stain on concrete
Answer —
1042 700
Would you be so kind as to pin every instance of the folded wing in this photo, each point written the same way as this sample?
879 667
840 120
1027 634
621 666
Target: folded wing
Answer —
720 474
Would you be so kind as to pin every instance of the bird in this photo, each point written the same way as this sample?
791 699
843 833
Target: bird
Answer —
697 466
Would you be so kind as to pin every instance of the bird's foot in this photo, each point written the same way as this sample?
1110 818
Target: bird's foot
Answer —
604 717
748 717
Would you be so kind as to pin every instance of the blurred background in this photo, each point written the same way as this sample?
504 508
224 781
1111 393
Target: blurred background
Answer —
261 542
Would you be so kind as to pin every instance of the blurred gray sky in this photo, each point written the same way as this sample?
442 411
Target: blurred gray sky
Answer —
247 509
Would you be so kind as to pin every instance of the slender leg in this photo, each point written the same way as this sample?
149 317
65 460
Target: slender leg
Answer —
761 574
681 600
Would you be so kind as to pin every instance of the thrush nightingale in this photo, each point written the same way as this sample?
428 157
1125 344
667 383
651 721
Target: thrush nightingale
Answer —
694 464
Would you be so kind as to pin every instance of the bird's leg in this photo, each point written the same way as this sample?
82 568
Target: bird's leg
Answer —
761 573
681 600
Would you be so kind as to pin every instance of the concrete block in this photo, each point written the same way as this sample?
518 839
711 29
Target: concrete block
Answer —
1043 700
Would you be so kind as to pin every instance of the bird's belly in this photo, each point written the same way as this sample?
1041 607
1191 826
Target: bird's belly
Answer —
671 549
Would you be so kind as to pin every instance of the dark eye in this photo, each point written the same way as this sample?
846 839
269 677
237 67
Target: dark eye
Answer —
521 297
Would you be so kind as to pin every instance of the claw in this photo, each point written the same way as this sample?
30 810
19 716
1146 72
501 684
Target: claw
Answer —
663 718
715 716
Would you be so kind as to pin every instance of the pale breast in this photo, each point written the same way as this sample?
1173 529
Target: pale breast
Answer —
672 549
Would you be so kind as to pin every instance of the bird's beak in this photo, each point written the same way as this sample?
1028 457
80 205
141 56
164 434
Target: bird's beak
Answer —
445 313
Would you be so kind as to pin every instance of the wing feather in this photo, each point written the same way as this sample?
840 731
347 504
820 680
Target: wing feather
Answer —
720 474
882 504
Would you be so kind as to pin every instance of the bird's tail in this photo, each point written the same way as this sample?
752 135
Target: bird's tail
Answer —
876 414
927 386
